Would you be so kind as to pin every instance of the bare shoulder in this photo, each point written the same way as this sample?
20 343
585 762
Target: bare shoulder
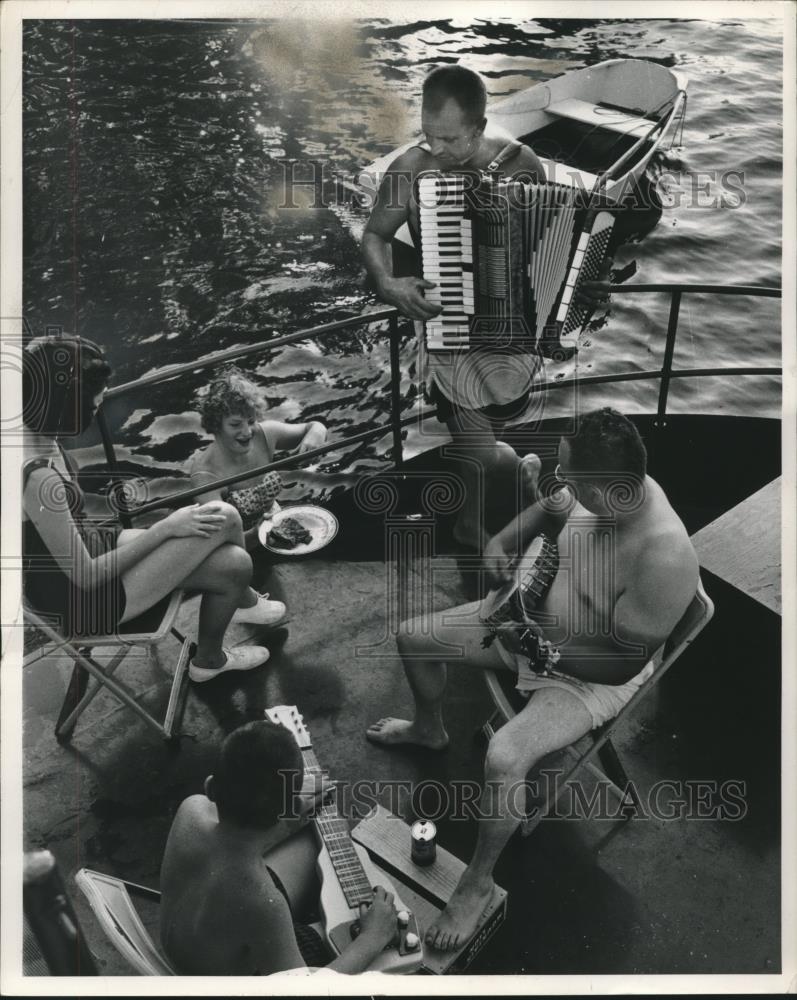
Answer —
37 477
525 161
203 468
196 809
411 162
199 461
43 494
668 554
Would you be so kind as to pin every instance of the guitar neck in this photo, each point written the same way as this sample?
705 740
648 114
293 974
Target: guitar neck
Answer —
333 832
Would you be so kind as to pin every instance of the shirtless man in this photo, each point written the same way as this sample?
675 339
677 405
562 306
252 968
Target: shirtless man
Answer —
475 392
224 912
605 635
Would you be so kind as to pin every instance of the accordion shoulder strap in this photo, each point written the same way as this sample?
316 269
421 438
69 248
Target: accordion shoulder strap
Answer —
509 150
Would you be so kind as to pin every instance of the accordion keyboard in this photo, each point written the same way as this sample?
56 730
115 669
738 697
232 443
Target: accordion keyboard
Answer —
447 256
506 258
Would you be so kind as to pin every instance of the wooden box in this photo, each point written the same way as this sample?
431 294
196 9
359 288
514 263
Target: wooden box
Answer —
426 890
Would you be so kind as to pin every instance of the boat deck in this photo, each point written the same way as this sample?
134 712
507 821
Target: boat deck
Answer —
743 546
651 895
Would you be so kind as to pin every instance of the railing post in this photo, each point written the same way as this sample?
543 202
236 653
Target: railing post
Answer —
110 457
395 393
669 351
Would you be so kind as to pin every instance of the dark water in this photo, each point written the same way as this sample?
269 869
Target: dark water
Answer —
154 172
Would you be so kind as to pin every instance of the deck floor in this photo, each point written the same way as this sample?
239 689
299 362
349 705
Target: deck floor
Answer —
585 896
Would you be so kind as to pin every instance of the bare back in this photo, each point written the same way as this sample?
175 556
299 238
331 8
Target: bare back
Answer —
221 913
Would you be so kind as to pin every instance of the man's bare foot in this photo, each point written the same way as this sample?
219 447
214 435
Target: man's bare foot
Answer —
530 466
395 732
458 921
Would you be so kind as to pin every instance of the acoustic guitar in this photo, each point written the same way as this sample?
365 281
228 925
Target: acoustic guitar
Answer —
346 873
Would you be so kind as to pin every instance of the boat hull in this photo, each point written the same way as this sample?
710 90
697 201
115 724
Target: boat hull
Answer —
649 93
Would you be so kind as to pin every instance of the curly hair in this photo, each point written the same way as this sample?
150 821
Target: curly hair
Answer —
607 441
232 392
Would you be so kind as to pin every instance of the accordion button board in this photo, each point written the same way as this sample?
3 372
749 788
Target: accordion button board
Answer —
506 257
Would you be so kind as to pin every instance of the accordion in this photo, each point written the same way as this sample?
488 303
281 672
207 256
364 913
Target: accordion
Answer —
506 257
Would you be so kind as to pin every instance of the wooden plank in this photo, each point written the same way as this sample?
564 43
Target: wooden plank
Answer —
387 836
426 889
743 546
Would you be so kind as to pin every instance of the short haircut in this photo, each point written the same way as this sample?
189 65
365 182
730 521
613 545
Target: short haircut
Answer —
231 393
60 378
607 442
259 772
456 83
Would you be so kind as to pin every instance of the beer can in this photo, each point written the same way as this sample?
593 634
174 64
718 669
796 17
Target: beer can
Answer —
424 842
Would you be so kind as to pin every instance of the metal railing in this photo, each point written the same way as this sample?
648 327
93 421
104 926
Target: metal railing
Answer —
396 423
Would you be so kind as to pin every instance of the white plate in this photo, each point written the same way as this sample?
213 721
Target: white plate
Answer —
322 523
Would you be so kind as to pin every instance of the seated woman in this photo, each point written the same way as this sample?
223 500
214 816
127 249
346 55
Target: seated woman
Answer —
92 579
232 411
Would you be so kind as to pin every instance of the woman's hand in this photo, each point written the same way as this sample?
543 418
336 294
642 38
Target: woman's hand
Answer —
196 521
315 436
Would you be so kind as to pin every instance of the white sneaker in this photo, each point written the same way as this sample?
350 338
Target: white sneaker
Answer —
265 612
240 658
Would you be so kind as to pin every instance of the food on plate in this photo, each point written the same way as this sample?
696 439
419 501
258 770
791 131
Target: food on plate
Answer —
288 534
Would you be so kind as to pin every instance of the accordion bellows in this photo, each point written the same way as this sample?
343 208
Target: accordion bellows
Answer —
506 256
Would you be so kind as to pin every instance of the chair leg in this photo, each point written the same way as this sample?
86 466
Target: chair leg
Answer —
179 691
75 691
65 725
616 773
612 765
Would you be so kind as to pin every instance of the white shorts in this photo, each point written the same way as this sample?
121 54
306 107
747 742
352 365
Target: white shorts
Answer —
602 701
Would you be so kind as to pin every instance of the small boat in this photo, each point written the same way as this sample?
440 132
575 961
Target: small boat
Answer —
595 128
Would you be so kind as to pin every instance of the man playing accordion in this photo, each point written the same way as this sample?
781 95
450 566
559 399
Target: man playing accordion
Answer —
476 392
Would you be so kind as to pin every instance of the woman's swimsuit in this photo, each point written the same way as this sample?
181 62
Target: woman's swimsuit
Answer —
74 612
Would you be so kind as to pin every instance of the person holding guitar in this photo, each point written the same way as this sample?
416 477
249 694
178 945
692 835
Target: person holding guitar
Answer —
582 637
224 909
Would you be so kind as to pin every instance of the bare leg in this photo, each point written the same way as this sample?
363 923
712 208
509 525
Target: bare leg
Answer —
223 579
553 719
480 461
171 564
425 645
217 565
